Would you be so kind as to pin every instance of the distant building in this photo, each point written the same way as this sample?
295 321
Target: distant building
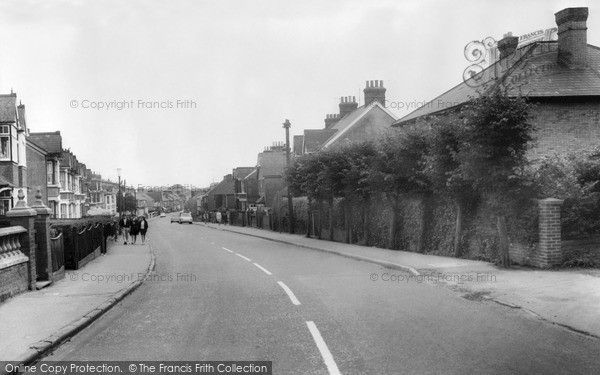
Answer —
51 142
351 124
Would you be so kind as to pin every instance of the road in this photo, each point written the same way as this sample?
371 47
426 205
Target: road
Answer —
217 295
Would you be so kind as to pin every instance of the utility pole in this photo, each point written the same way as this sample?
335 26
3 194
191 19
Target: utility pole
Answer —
119 197
292 220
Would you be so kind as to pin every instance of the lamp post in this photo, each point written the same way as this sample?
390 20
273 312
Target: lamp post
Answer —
287 126
119 206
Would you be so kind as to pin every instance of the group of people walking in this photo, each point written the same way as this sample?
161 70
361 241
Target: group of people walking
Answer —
133 226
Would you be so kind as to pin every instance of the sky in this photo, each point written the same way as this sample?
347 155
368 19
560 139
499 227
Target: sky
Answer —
182 92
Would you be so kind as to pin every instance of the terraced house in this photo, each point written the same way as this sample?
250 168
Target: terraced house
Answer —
13 161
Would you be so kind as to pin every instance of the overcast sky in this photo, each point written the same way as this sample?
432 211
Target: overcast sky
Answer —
238 68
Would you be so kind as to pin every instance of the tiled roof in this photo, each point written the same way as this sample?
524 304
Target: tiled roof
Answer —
314 138
241 172
353 118
224 187
533 71
8 107
155 195
51 142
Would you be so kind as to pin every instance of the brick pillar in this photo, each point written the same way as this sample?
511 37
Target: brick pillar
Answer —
24 216
42 228
549 252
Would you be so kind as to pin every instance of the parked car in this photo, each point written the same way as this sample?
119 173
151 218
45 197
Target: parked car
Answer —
185 217
174 218
162 214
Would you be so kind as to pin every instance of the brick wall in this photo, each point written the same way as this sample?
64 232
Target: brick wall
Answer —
564 127
13 280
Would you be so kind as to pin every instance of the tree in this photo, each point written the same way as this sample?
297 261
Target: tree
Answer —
356 183
443 168
497 134
400 172
302 178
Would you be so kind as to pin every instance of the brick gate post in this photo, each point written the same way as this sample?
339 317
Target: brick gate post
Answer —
42 228
549 252
24 216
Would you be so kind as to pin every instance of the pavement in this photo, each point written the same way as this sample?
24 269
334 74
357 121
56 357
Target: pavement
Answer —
570 298
34 323
566 297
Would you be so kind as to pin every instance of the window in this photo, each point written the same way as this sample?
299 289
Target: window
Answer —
4 142
4 148
63 211
63 181
50 170
5 201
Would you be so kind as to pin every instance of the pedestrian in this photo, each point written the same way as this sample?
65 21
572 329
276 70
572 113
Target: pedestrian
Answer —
143 224
135 229
125 225
218 216
115 227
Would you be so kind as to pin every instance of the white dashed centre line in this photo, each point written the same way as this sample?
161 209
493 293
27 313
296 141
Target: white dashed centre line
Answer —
289 293
263 269
226 249
325 353
243 257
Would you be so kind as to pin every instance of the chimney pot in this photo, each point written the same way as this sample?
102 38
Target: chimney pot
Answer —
572 37
374 92
507 45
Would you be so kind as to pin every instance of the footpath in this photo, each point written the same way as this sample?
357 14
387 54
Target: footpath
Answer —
34 323
569 298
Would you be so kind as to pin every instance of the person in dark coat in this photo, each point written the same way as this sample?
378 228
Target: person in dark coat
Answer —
143 224
135 229
125 225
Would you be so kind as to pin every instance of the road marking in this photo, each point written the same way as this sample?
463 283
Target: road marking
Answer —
243 257
325 353
226 249
263 269
289 293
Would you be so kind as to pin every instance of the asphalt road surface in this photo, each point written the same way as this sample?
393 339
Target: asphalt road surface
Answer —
222 296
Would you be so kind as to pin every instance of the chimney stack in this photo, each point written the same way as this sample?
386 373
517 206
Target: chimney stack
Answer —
572 37
507 45
374 92
347 105
331 120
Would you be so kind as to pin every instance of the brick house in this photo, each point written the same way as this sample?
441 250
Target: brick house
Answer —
51 142
245 187
562 77
13 153
221 196
270 170
351 124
